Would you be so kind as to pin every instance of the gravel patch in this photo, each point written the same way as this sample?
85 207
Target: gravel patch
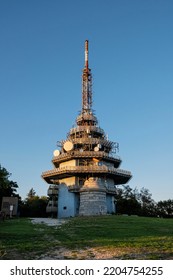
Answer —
48 221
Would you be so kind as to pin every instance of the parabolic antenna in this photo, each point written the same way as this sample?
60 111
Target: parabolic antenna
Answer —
68 146
56 153
96 149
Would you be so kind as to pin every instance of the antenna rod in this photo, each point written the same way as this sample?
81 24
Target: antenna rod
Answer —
86 84
86 54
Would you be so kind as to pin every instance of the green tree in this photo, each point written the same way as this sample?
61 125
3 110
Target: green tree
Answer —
7 187
134 202
127 201
148 205
165 208
33 205
31 194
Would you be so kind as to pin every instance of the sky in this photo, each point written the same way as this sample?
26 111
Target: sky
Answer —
41 62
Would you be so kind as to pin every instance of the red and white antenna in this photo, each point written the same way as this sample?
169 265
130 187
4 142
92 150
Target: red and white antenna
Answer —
86 84
86 54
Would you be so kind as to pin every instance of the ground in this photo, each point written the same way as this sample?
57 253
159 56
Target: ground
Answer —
98 238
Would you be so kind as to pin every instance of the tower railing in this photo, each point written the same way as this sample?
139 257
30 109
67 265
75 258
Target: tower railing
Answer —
86 169
87 128
83 154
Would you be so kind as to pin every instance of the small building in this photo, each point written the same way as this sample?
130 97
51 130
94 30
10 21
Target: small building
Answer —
86 165
9 206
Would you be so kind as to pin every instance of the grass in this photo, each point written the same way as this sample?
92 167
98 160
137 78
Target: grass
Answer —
21 236
117 237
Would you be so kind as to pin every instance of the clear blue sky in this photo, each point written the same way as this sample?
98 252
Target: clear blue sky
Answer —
41 61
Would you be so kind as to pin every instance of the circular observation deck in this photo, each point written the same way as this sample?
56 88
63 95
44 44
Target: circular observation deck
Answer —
120 176
88 129
100 155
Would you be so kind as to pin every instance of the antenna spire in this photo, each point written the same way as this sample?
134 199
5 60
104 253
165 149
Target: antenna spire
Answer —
86 85
86 54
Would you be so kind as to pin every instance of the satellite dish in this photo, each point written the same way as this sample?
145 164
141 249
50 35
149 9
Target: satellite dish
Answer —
96 149
56 153
68 146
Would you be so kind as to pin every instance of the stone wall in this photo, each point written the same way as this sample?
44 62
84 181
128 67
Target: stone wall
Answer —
92 203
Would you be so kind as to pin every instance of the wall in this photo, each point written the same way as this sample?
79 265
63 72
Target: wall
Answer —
71 181
68 203
68 163
6 202
108 183
110 204
92 203
109 164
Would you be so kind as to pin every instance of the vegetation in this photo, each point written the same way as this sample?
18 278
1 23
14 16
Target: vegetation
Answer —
124 236
7 187
33 205
139 202
119 237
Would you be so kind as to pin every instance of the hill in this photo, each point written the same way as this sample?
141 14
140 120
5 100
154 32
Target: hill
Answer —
104 237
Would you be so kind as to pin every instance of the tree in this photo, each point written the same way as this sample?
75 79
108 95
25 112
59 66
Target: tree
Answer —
165 208
7 187
127 201
133 202
148 206
31 194
33 205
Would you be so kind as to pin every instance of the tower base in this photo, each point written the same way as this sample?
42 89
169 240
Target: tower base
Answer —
92 203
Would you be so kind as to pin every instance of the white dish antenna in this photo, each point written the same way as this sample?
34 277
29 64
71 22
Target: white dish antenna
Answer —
68 146
56 153
96 149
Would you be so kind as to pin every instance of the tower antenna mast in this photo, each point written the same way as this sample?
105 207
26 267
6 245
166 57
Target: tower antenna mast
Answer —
86 85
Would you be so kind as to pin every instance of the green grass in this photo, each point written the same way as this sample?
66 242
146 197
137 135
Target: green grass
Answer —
131 237
20 235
